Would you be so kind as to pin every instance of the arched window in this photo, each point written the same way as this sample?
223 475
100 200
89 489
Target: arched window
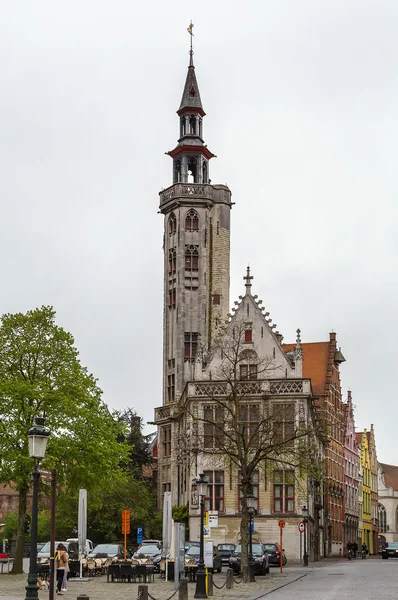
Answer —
182 126
382 519
172 260
248 364
177 171
192 124
192 221
191 258
204 172
192 170
200 127
172 224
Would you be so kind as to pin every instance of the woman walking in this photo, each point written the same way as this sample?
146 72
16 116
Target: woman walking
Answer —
62 563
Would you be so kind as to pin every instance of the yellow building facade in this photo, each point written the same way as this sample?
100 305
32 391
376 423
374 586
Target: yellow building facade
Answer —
367 538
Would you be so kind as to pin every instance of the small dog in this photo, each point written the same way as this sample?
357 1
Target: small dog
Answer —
43 585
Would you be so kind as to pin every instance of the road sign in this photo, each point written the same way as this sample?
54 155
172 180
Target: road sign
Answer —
301 527
213 518
281 523
140 535
206 531
125 521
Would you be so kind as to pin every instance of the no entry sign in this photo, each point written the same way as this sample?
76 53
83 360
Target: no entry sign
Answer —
301 527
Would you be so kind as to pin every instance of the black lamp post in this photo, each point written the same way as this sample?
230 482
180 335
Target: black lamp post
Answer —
250 501
37 438
304 511
200 591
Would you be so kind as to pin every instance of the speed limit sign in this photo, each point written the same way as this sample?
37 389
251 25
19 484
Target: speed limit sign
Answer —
301 527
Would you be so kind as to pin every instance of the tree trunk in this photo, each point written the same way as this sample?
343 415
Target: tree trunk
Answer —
244 536
17 566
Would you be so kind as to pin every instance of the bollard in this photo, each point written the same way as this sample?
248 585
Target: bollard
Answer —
143 592
230 579
210 584
246 574
183 589
83 597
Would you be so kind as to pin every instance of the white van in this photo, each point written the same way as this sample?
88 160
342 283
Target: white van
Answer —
89 544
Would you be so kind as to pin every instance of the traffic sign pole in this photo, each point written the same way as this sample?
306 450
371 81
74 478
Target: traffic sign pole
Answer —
281 526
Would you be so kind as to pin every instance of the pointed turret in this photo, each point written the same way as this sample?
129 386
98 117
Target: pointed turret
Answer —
191 97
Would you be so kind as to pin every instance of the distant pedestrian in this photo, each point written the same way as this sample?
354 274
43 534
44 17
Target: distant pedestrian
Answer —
62 564
355 549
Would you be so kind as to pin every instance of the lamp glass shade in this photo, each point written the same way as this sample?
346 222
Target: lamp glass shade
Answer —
37 445
202 485
304 511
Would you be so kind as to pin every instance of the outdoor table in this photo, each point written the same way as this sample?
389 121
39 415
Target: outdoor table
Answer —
147 572
121 572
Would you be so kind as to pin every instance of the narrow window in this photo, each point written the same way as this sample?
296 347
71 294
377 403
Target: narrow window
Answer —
171 387
190 345
218 227
204 172
172 260
177 171
248 336
214 500
192 170
192 124
172 224
191 258
273 352
216 298
262 332
166 441
284 491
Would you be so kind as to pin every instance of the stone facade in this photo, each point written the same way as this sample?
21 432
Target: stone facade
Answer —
351 476
388 503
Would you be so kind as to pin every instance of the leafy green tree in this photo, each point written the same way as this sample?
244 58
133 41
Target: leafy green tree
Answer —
40 374
181 515
10 527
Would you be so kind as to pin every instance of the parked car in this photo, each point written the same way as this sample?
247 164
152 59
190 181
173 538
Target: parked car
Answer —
225 551
189 544
261 559
150 549
89 547
109 550
274 552
390 550
71 547
194 552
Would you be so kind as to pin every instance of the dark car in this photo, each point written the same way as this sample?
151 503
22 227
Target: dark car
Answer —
274 553
390 550
194 552
261 559
225 551
189 544
108 550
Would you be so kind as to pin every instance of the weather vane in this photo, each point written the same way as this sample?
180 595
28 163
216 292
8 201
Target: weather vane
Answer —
189 29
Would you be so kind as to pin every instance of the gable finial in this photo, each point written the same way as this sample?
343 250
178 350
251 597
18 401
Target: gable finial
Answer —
298 350
248 279
189 29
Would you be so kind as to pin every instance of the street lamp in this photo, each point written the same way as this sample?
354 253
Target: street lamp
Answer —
250 502
304 511
37 438
200 591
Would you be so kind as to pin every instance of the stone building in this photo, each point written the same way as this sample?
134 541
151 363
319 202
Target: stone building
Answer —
321 364
374 489
363 444
196 323
351 476
388 503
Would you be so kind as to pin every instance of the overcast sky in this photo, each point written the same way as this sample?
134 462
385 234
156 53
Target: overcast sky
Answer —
301 103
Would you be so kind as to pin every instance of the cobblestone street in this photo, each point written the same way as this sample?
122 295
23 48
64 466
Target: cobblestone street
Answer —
12 587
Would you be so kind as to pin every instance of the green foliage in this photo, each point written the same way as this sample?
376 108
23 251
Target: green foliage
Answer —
10 527
43 526
139 444
180 514
40 373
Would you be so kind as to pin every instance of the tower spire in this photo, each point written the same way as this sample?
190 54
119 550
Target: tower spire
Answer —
248 279
191 50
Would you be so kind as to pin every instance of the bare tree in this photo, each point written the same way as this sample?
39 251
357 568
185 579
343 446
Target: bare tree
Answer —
244 427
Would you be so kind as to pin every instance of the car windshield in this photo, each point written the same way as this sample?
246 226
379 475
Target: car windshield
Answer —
269 547
106 549
225 547
149 549
257 549
194 550
392 545
46 547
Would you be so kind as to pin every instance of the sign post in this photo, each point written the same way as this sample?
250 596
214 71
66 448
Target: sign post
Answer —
281 526
125 529
301 528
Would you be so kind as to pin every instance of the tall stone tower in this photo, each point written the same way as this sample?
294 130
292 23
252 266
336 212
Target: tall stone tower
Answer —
196 248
